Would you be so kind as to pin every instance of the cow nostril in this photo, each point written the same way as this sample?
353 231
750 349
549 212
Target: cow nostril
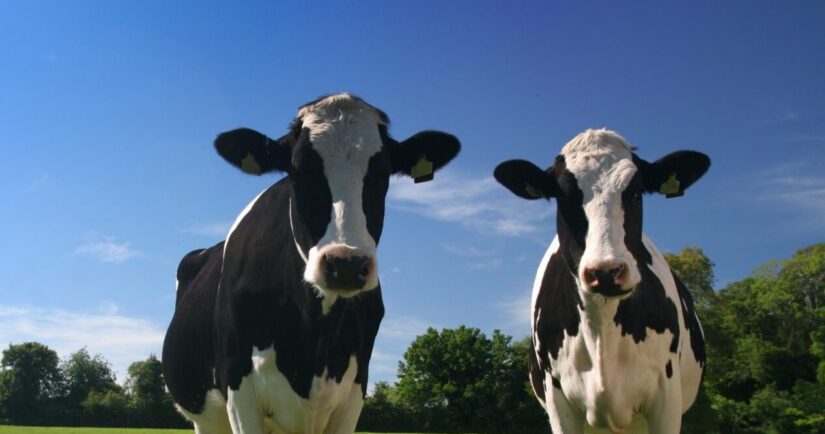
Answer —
365 270
330 268
590 276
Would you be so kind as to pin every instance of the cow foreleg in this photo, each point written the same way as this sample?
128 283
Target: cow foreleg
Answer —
245 414
345 418
564 418
665 416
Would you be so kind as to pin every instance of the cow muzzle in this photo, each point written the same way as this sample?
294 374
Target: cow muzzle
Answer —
342 270
609 278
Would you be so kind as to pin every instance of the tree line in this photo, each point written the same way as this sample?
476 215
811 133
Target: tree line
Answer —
765 372
37 388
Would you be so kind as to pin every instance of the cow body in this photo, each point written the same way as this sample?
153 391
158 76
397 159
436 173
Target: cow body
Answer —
274 327
617 344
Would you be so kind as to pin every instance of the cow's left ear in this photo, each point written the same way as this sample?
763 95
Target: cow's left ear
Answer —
672 174
424 153
526 180
253 152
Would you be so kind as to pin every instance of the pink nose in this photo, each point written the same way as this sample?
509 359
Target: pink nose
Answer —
605 275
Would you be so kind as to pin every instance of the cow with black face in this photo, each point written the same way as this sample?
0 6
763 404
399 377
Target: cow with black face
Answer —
274 327
617 345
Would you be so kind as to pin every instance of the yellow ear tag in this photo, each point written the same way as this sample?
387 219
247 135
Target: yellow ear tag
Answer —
670 188
249 165
423 170
533 191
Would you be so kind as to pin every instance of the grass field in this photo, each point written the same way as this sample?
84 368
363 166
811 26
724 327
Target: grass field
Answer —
60 430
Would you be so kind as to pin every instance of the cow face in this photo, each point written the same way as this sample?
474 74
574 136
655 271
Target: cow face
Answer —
339 157
598 182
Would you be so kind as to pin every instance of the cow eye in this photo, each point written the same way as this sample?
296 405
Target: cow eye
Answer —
637 196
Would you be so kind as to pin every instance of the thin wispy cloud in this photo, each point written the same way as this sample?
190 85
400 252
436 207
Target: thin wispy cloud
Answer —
788 116
217 229
384 364
107 250
466 251
515 314
797 185
807 138
37 183
404 328
121 339
478 203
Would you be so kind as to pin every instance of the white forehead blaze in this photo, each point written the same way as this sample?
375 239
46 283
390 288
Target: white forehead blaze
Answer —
602 163
344 132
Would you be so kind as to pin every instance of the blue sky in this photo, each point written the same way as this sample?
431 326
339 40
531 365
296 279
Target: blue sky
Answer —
108 111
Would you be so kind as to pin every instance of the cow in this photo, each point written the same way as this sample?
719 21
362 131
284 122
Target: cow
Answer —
274 326
617 346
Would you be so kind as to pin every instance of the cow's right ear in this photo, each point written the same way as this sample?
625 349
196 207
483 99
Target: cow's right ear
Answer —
253 152
526 180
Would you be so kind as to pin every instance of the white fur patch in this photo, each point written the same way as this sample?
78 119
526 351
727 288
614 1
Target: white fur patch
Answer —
344 133
602 163
266 401
213 419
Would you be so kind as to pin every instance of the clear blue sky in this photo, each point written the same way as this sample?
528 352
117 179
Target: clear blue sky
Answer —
108 111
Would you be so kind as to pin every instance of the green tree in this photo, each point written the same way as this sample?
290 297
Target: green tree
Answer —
695 270
30 383
383 411
149 401
765 340
107 407
458 379
84 374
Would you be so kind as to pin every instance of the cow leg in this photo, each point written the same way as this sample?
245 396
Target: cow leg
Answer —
345 418
245 414
665 417
564 418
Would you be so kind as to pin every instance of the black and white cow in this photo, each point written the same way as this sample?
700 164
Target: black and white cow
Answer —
274 327
617 343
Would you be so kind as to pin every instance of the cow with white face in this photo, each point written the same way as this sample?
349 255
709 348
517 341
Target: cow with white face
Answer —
617 345
274 327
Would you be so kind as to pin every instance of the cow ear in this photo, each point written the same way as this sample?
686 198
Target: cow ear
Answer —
253 152
672 174
526 180
424 153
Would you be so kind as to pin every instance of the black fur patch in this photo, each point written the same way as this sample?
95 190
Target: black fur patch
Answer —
697 341
648 307
536 374
557 309
669 369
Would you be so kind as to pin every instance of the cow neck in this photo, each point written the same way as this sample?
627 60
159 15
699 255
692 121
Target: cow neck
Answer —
294 238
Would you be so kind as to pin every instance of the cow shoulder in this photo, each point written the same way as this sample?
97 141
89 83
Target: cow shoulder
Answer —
556 310
697 339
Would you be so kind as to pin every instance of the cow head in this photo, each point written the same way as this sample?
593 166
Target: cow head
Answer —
339 157
598 183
